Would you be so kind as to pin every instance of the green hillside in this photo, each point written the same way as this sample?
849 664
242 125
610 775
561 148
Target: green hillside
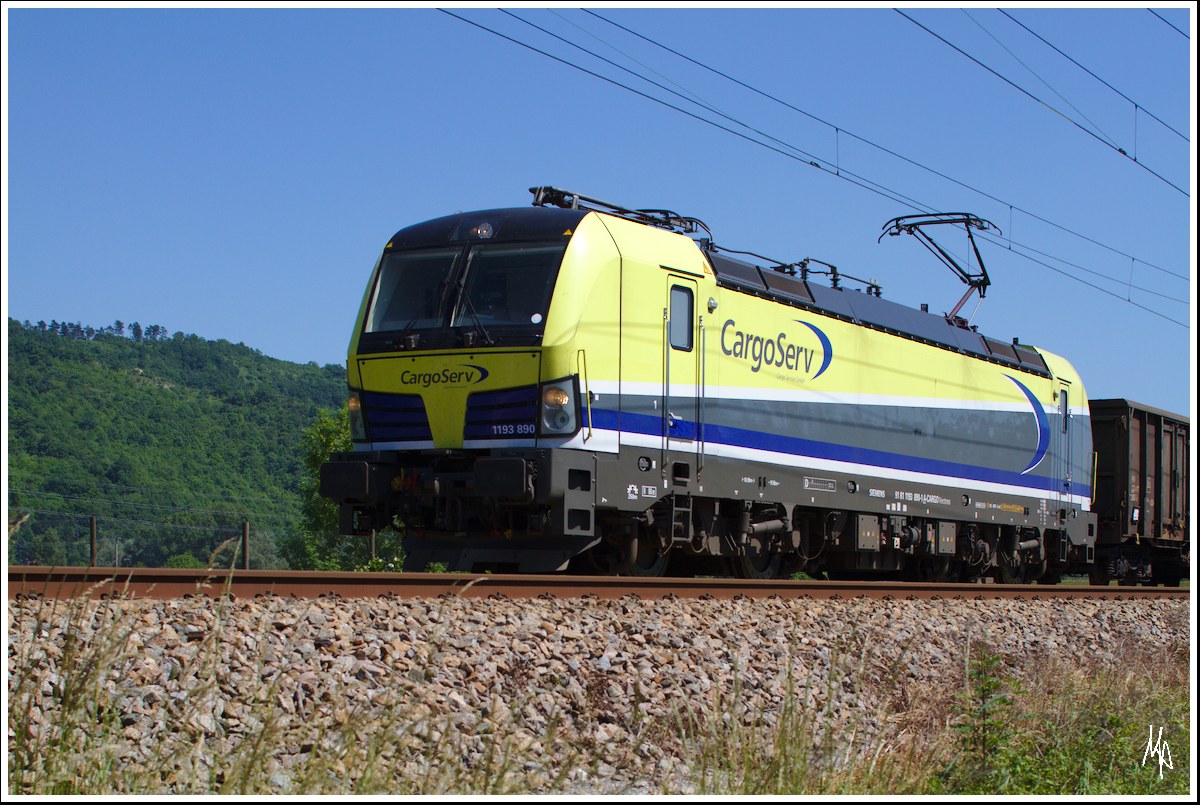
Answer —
170 441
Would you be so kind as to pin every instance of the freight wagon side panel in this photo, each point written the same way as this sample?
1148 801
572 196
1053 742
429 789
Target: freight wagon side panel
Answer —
1142 472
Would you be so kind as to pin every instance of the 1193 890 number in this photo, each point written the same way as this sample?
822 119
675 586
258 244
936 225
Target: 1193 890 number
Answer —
513 430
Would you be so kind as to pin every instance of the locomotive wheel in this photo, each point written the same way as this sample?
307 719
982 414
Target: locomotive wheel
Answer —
762 566
937 568
641 557
1098 574
1010 573
602 560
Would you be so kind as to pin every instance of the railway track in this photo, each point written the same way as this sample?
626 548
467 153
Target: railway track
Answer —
155 583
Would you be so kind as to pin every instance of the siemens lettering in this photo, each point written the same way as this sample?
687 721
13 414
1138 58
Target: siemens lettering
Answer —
776 351
467 375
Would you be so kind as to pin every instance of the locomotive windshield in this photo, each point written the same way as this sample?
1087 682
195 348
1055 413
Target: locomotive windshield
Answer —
508 285
412 289
501 292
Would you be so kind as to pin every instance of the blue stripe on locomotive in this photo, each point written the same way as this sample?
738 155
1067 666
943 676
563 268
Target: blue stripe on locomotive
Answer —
651 425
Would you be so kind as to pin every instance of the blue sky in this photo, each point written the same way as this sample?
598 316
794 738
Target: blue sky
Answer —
235 172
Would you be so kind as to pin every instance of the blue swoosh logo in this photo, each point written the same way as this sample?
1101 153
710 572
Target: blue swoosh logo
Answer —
483 373
826 347
1043 425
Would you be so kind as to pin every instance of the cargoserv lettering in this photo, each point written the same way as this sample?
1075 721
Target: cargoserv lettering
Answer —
775 350
465 375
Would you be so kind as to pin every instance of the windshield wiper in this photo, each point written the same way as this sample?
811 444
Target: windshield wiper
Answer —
487 338
398 341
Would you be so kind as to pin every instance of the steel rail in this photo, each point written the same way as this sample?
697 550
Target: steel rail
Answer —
155 583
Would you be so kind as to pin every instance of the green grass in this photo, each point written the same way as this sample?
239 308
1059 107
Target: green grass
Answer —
1070 732
1048 728
1085 581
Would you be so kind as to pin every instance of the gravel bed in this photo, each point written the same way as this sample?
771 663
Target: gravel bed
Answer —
590 693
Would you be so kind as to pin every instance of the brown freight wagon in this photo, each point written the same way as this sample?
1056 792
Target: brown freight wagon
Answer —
1141 496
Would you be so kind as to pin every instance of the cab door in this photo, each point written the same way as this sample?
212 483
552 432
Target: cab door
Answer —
682 387
1063 455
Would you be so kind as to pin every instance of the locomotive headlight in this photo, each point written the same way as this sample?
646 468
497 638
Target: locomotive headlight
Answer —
482 231
555 397
358 428
558 408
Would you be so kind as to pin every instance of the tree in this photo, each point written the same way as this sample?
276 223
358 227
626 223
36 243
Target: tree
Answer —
317 547
322 547
184 560
210 437
329 433
136 330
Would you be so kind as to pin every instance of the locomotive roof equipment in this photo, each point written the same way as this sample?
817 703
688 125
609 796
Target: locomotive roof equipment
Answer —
569 200
915 225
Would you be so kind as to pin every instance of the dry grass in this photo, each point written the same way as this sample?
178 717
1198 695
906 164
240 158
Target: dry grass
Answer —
1005 725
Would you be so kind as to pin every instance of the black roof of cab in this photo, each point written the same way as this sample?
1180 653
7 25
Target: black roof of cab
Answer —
506 225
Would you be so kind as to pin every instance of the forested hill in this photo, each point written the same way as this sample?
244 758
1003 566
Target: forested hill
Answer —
170 441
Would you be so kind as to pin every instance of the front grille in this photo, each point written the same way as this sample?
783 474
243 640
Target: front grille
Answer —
395 417
504 414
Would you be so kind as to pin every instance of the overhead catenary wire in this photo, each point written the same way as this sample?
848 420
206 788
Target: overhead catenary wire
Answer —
1106 138
843 174
1030 95
1136 105
810 158
917 204
1184 34
629 56
922 206
1116 296
693 99
813 163
887 150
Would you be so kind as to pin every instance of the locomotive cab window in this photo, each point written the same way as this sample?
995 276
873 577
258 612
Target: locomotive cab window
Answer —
411 290
681 318
508 285
500 292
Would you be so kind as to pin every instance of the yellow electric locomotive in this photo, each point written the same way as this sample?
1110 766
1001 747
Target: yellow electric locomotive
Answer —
580 385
